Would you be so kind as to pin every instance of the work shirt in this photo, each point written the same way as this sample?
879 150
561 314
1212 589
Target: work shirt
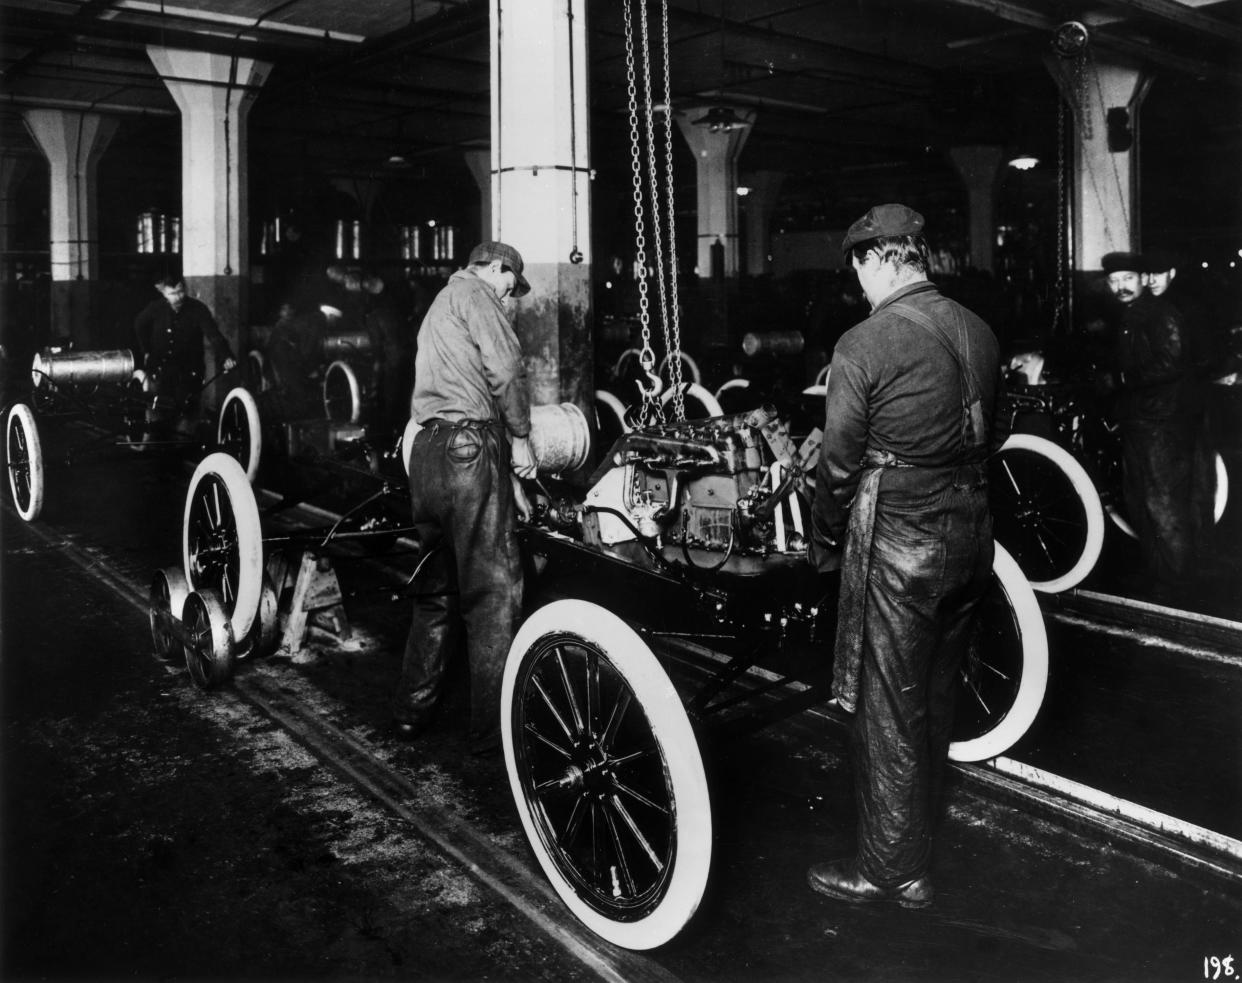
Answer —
175 338
895 388
469 364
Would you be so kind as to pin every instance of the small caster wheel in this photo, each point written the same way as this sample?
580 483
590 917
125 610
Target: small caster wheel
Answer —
209 639
264 634
167 600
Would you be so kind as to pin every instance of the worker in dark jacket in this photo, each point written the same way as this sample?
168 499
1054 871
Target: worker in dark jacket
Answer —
471 399
171 333
1156 409
901 484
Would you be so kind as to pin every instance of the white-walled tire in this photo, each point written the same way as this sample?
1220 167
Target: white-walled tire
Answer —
606 774
342 393
1046 511
23 460
238 432
1220 499
221 541
1004 674
692 391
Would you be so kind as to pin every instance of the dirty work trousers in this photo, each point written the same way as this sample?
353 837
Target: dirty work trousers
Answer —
931 564
463 505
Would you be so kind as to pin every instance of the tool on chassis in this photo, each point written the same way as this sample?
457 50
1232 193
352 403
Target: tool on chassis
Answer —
98 401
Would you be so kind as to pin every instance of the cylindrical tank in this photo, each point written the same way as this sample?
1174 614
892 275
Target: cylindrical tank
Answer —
559 437
346 343
773 342
82 368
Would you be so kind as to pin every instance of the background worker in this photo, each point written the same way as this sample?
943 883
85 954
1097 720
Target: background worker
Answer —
1155 406
908 427
472 401
170 334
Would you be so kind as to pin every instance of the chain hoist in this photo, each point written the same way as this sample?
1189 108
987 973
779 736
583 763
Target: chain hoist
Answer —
650 410
661 207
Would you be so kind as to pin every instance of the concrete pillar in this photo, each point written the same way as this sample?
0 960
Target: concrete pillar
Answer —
73 143
979 167
541 187
214 93
480 164
758 206
715 156
1105 191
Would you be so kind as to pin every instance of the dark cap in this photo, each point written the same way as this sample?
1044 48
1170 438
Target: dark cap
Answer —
1123 263
1159 261
485 252
883 220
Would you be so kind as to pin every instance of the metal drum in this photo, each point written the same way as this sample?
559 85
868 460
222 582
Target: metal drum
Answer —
346 344
773 342
559 437
82 368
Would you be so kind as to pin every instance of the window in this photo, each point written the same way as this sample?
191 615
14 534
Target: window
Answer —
348 238
158 232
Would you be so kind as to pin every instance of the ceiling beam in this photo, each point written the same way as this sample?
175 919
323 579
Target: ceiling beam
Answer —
1178 13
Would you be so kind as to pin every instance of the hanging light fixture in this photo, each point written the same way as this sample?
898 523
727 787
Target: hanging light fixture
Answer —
1023 161
720 119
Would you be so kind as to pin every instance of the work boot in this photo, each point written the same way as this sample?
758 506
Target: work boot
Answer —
842 882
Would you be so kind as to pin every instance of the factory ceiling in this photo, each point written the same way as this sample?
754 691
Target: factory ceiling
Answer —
848 94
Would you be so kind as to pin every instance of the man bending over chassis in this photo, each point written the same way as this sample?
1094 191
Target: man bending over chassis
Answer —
909 410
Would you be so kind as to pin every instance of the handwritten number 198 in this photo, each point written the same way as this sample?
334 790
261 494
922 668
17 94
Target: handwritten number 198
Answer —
1214 967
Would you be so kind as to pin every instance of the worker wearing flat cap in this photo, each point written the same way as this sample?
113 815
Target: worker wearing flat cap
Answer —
471 400
901 485
1155 407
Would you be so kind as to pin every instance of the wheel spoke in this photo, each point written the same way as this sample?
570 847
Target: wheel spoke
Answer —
539 736
639 797
614 721
552 708
614 837
619 808
569 690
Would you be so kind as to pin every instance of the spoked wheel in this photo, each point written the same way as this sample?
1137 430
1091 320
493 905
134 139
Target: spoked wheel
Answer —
209 639
1047 512
237 430
24 458
1005 671
1220 499
606 774
166 603
221 542
342 393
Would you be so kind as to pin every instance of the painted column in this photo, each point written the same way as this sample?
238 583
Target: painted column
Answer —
979 167
715 155
73 143
1105 192
214 94
758 205
541 186
480 164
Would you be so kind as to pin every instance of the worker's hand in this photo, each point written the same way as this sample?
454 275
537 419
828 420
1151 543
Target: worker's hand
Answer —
230 364
520 499
523 458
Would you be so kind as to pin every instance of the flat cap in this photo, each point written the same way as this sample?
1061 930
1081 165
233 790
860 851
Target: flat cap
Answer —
883 220
1123 262
509 257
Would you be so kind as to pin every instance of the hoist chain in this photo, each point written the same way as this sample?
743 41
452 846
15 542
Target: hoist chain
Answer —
646 356
674 308
1060 299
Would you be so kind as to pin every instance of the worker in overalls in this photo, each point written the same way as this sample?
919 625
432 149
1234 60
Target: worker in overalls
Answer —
901 486
472 401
